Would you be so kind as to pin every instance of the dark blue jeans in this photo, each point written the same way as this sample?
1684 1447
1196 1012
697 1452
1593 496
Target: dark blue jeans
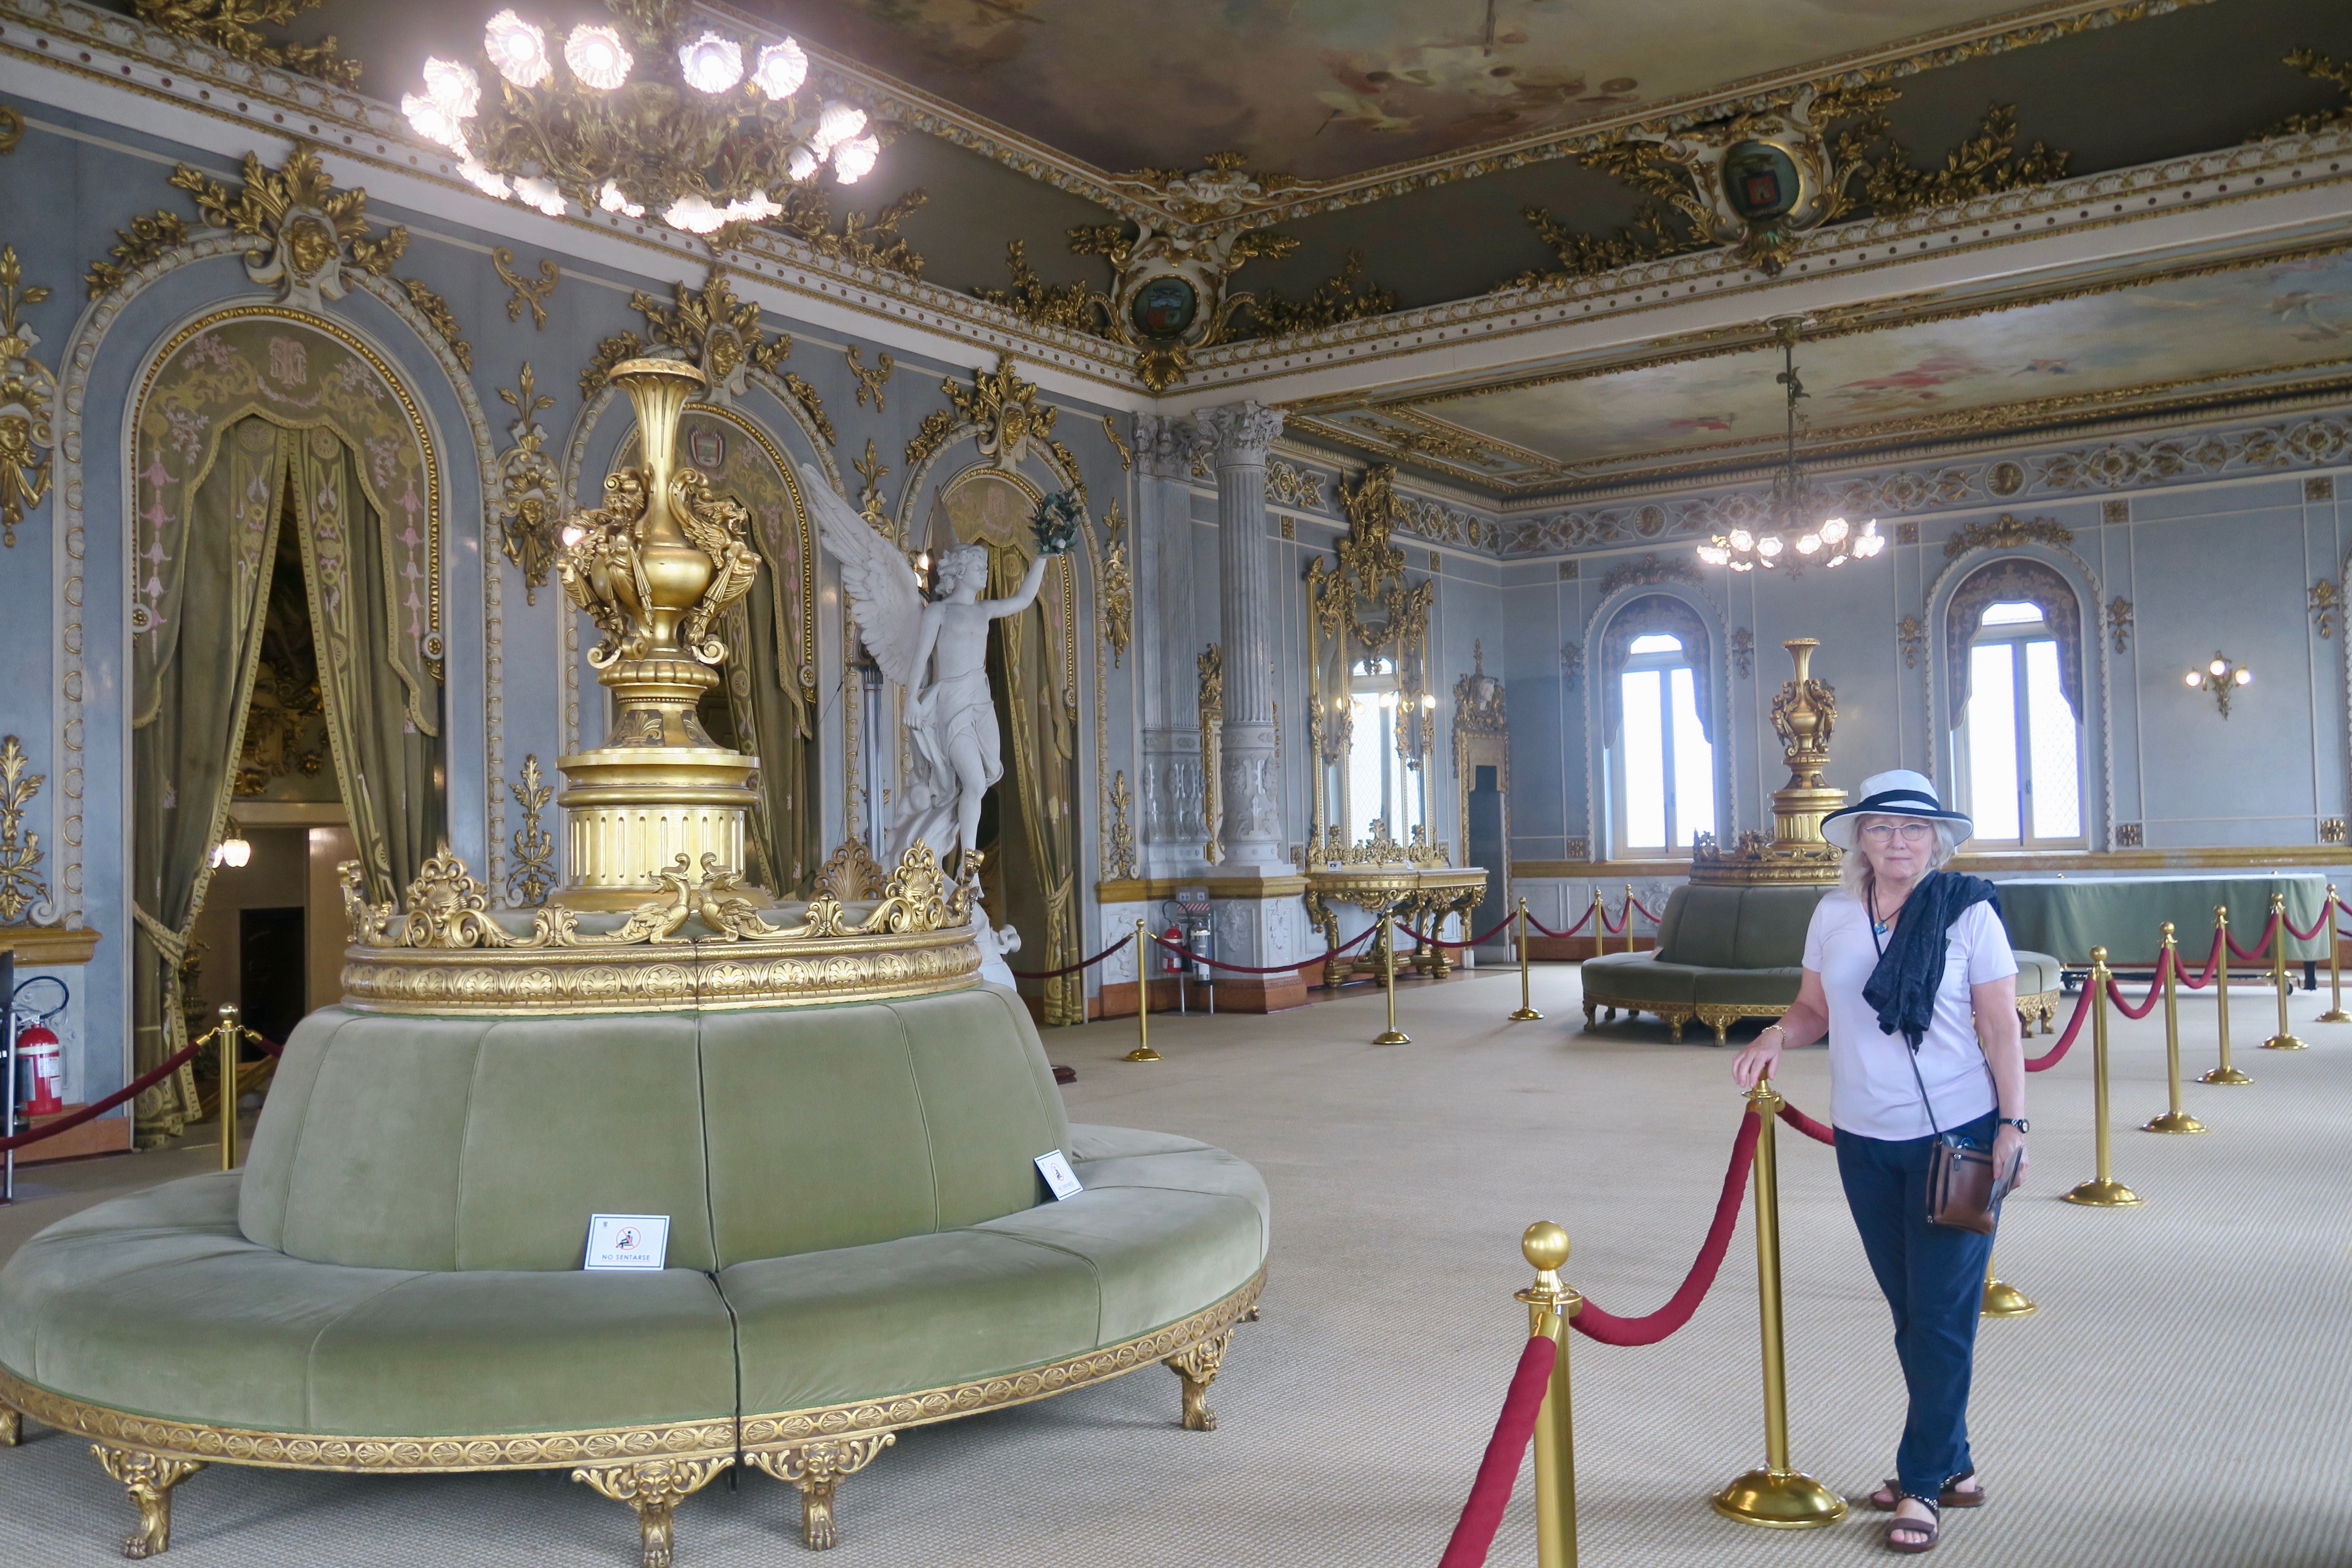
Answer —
1933 1275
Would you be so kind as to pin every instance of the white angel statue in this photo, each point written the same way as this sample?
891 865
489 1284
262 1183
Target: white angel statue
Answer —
950 720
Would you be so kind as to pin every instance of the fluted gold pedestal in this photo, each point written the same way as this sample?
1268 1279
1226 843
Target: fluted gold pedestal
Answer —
1779 1499
630 812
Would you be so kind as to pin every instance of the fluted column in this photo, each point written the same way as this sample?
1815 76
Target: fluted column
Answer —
1249 790
1171 826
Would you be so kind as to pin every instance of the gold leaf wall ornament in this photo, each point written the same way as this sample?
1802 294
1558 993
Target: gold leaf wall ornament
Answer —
1743 652
1572 663
307 230
1911 633
870 380
1648 572
527 513
1348 295
147 238
609 352
1073 307
1118 851
871 468
533 876
1110 433
27 396
12 129
23 893
529 293
1003 412
2119 622
234 27
2006 532
864 241
1211 666
720 333
2319 68
807 397
440 318
2326 605
1118 587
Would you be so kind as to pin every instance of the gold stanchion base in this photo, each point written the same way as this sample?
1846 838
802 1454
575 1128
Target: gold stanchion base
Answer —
2284 1043
2224 1076
2103 1195
1392 1037
2005 1300
1142 1054
2174 1121
1779 1499
2334 1015
1521 1015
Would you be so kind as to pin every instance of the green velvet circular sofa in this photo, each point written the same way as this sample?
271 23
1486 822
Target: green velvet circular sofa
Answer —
859 1243
1726 953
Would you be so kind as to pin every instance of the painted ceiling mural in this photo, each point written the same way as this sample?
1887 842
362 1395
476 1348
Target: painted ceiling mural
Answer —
1323 87
2170 336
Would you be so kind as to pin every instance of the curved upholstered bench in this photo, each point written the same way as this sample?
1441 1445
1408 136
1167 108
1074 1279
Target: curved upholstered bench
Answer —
859 1243
1725 953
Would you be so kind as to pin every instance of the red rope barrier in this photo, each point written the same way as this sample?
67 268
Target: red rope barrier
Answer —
131 1091
2212 962
1270 969
2269 931
1611 1330
1073 968
1571 930
2155 990
1819 1131
2316 927
1435 941
1647 913
1498 1472
1623 916
2065 1037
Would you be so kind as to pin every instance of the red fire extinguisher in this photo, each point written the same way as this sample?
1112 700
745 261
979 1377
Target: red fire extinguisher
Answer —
1173 962
37 1046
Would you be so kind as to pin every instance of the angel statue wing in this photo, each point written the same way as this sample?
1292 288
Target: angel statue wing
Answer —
884 597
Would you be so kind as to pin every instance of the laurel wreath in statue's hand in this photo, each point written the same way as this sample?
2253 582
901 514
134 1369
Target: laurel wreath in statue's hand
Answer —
1056 521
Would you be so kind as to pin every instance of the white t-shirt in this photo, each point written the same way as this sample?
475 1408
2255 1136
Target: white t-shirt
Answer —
1872 1091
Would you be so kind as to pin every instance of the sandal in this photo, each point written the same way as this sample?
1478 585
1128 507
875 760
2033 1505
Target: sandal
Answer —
1916 1534
1890 1494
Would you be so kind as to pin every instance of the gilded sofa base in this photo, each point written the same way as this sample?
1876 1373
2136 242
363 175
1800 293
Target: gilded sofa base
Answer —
2040 1006
651 1468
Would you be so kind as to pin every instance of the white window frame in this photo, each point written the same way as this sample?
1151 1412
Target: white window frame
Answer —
1618 803
2017 635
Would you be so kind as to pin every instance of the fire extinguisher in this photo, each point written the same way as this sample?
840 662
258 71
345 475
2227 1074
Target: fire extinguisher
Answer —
1173 962
37 1046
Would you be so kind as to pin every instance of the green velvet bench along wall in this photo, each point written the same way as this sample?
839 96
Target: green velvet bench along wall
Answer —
1725 953
859 1242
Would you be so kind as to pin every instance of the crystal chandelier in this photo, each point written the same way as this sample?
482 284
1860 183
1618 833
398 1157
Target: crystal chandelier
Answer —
1797 506
657 114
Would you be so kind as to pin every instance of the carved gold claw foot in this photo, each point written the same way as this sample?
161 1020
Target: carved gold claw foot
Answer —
654 1488
150 1478
816 1469
12 1426
1197 1367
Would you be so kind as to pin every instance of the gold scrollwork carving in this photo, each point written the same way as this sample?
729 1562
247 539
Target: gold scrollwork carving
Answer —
22 889
2119 622
528 515
852 874
2326 605
1911 632
1000 409
2007 532
27 398
816 1470
307 230
870 378
529 293
654 1488
12 128
1347 295
234 27
533 876
1649 571
2319 68
807 397
1110 433
720 333
440 318
871 468
864 240
1118 587
1212 668
147 238
149 1479
1118 853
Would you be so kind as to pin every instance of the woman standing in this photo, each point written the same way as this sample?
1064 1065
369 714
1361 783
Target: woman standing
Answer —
1908 972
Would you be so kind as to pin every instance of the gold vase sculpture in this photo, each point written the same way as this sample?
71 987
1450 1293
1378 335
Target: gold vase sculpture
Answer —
1804 714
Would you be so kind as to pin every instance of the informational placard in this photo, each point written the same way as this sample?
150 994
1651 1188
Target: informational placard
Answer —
1055 1168
627 1240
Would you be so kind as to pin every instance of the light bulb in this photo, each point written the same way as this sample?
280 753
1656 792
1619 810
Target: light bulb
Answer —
1743 566
2245 677
518 48
1833 530
2219 668
782 69
1388 699
612 199
454 87
711 63
1742 539
1769 546
2193 679
755 208
1807 543
1837 560
854 159
573 534
1714 554
800 163
233 851
597 58
485 179
539 192
1428 699
837 123
694 214
1871 542
433 122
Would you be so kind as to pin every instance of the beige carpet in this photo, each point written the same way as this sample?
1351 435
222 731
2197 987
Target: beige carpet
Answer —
2183 1397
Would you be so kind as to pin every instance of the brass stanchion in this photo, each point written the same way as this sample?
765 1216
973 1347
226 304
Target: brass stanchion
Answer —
228 1036
2105 1191
1551 1305
2282 1040
2174 1119
2003 1300
1143 1052
1527 1009
1391 1036
1599 923
2336 1013
1775 1496
2225 1073
1628 916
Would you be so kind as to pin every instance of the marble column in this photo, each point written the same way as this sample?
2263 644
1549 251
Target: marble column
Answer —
1249 790
1172 834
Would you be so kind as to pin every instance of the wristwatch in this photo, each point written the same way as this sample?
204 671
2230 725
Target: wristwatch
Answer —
2019 1122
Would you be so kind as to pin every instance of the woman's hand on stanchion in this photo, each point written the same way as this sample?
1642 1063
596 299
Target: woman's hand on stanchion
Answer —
1759 1058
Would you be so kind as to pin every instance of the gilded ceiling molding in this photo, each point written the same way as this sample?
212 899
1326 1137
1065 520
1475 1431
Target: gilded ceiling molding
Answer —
863 240
529 293
28 393
1069 306
234 27
1348 295
2319 68
436 311
1286 484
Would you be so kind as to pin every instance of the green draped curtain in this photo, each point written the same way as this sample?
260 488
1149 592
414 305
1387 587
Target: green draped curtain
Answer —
195 646
1044 765
770 717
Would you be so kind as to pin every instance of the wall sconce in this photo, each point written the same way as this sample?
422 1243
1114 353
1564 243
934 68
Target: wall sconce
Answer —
233 851
2221 678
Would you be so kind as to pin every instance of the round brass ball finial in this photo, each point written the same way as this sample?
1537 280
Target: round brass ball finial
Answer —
1545 1246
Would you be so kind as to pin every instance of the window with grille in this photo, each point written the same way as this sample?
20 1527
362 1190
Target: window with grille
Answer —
2019 745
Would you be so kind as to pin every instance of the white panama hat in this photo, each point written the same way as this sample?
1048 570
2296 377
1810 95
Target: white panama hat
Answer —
1898 792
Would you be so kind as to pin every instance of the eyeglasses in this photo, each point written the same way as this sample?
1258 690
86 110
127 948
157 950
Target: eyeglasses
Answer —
1910 832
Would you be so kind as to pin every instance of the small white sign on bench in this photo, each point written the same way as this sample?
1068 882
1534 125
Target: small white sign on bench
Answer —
627 1241
1055 1166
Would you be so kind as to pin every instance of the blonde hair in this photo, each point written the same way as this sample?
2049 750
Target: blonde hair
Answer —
1853 871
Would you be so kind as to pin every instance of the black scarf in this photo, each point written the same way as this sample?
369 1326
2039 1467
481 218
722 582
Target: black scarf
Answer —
1911 965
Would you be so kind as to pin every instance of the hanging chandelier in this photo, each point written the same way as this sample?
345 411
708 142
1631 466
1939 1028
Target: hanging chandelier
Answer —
1804 536
657 114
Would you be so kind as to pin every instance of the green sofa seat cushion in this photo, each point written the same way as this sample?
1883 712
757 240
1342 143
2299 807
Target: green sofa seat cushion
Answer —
1749 987
1158 1254
2036 971
1640 980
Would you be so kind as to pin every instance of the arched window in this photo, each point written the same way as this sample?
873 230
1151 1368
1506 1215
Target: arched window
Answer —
2020 742
1661 756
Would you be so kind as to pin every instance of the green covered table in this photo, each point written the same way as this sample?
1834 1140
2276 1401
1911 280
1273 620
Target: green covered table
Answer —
2068 916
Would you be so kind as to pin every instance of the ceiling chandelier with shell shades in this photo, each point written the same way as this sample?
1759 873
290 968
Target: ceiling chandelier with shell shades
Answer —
653 112
1802 536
